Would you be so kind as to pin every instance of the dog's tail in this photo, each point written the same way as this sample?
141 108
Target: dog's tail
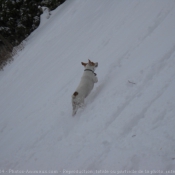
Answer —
75 94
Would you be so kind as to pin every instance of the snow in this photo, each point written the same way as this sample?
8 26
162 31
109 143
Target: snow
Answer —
127 125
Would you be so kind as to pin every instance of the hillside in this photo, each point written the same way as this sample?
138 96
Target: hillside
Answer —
127 125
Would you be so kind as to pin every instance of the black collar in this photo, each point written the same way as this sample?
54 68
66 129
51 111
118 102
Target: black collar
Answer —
89 70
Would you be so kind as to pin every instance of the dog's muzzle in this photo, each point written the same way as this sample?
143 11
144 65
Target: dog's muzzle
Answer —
96 64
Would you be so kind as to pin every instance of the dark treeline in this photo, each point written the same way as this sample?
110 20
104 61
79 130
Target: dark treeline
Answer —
18 18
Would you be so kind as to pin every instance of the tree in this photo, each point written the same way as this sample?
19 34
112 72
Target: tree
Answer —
18 18
8 45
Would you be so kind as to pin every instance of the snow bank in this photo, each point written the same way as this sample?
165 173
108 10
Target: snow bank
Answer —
128 123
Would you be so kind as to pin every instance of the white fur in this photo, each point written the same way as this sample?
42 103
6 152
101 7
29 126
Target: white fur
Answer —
84 88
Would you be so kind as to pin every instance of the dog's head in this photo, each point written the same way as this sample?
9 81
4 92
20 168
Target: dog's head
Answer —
90 65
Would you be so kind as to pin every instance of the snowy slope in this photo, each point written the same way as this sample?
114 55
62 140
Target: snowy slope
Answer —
128 123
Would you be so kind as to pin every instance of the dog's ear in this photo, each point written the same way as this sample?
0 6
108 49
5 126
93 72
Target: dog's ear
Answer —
84 64
91 63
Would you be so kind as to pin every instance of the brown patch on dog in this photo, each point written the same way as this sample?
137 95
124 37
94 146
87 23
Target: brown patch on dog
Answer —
84 64
75 93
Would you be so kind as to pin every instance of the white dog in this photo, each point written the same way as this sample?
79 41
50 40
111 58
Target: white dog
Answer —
86 85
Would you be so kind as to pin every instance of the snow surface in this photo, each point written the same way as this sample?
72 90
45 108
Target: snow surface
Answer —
128 124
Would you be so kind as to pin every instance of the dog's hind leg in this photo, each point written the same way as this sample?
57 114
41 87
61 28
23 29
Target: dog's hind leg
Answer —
75 107
74 103
79 104
74 111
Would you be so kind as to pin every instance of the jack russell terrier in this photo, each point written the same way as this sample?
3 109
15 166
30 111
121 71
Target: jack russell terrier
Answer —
86 85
